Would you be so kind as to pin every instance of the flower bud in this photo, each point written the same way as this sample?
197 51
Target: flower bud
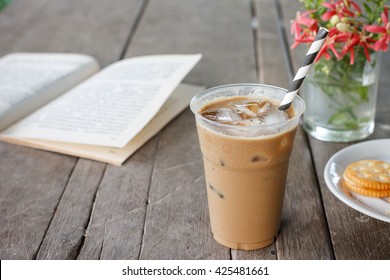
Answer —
343 27
334 20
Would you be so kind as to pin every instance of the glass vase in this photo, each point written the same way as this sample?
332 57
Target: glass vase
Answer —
341 98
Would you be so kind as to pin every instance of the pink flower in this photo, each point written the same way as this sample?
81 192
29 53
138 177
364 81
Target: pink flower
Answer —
384 32
352 41
304 28
339 8
350 31
334 37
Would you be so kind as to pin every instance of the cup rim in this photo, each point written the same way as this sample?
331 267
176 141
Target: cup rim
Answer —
237 85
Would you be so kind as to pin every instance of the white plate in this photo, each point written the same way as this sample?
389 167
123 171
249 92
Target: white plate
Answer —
375 149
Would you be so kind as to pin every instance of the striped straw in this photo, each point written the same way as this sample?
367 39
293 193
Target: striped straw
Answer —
302 71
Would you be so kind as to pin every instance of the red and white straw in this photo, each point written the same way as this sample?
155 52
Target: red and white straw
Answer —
302 71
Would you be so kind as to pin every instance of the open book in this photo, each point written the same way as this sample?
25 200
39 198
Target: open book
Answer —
63 103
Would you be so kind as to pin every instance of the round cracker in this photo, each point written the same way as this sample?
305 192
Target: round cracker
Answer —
371 174
365 191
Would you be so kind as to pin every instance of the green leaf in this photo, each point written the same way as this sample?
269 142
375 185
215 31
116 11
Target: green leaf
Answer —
363 93
355 100
367 8
338 118
343 119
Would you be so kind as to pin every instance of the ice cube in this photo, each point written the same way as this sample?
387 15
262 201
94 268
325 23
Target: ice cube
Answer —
264 107
273 117
252 109
222 115
227 115
211 115
248 110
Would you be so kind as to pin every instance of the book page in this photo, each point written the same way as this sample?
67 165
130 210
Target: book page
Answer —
29 80
177 102
110 108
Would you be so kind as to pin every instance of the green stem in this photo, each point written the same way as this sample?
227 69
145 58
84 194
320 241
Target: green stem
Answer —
351 113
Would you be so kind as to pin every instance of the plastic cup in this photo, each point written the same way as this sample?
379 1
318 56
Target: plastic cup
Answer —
245 168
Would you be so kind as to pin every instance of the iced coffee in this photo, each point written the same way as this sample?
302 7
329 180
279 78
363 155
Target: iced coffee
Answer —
246 143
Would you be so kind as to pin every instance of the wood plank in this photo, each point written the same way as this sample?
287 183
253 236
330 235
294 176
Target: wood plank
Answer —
306 234
97 28
12 30
177 224
65 234
271 61
219 29
302 210
353 234
57 26
117 221
31 184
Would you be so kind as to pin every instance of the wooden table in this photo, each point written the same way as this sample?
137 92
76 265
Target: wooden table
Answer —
55 206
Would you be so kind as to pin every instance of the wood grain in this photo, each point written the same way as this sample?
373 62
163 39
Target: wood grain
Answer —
94 27
55 26
219 29
67 228
117 222
29 198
